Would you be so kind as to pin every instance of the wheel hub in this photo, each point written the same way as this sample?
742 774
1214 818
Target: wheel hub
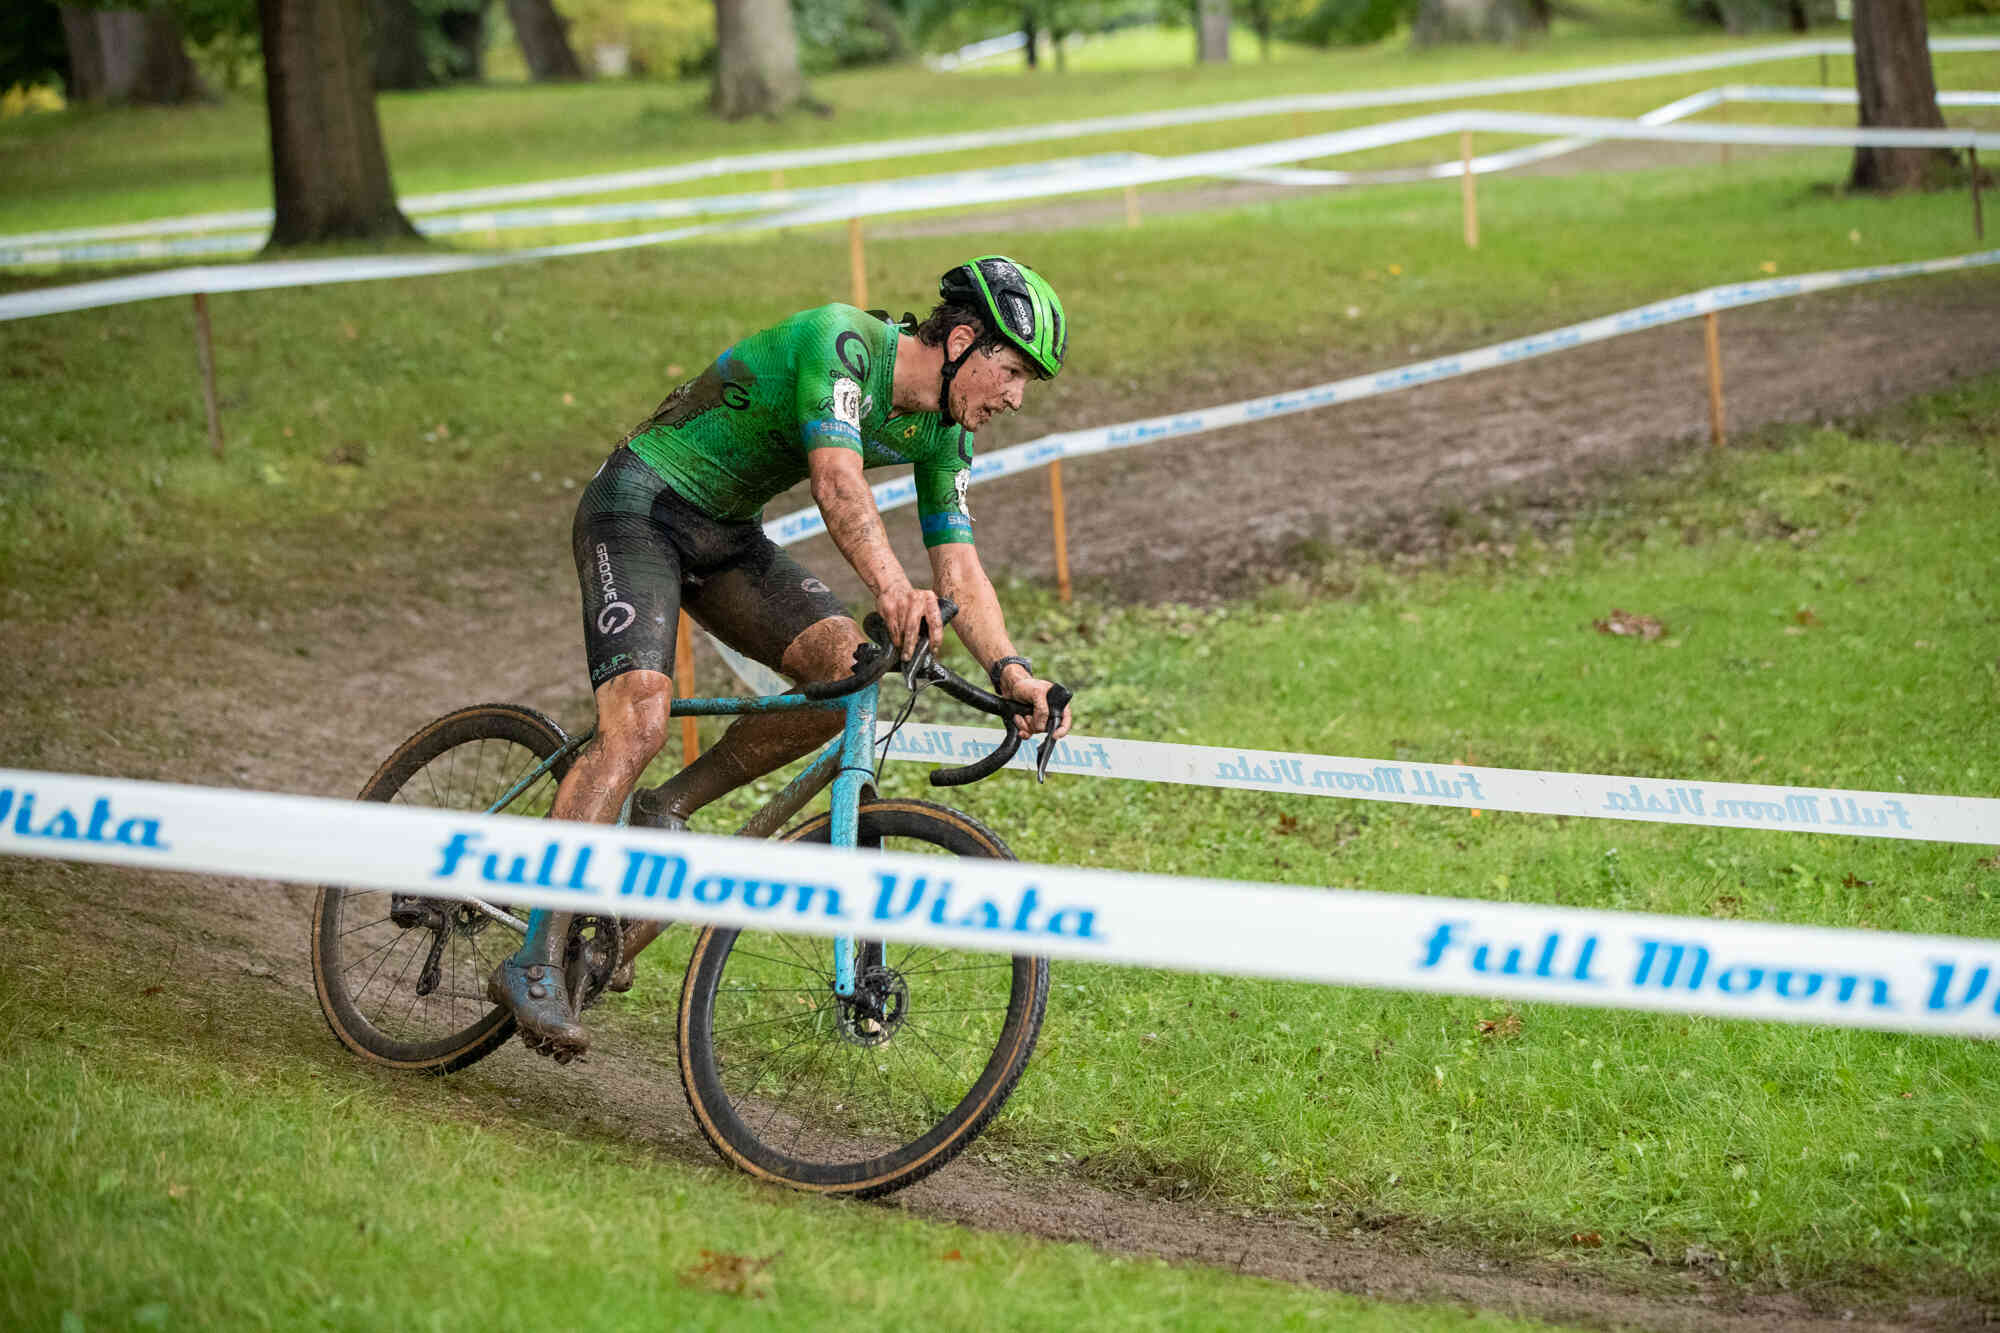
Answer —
880 1004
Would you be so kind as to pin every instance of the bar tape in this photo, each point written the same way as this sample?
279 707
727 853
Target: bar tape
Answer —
1844 978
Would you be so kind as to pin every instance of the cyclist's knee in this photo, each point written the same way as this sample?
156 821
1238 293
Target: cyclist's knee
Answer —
823 650
632 718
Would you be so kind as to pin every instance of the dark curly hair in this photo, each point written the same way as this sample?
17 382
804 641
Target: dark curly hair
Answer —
944 317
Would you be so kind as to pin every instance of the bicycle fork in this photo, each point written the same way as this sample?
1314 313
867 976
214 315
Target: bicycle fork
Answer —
857 748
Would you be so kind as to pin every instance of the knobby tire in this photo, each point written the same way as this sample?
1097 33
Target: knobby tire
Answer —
366 968
737 994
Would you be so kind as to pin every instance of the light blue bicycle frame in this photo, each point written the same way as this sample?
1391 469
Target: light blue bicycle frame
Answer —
845 762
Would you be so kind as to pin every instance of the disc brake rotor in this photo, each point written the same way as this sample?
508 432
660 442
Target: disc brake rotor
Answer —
881 1002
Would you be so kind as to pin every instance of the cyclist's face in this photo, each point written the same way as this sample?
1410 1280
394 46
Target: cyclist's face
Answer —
988 384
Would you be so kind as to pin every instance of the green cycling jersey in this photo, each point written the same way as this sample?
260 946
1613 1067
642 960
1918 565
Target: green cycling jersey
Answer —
738 434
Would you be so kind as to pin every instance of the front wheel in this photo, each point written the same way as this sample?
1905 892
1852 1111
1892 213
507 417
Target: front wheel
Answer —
402 979
864 1094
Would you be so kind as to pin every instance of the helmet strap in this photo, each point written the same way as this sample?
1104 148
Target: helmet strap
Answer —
945 376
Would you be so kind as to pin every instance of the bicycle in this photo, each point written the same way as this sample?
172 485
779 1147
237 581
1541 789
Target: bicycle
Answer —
846 1067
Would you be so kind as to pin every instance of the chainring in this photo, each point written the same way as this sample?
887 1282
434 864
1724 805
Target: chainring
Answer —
590 956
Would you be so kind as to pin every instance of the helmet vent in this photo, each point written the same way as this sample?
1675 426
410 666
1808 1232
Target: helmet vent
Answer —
1020 316
1001 273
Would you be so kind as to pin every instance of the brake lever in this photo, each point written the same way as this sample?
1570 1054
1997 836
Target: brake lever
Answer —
921 669
1059 699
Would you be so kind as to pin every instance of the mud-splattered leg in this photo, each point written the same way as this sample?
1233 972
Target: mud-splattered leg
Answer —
631 727
754 745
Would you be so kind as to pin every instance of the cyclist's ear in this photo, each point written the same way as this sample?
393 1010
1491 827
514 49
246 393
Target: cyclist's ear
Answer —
956 347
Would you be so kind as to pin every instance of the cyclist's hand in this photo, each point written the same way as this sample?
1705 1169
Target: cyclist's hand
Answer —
1026 689
907 610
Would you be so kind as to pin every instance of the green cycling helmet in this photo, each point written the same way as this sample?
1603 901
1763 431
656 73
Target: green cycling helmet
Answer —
1018 302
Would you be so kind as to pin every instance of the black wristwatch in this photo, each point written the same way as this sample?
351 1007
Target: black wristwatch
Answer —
993 672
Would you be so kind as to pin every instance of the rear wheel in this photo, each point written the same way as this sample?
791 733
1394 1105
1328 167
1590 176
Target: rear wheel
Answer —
402 979
860 1095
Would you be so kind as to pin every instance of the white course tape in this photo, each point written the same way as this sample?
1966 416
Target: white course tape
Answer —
1847 978
889 198
885 199
973 53
529 219
1866 814
316 272
844 154
1519 157
803 523
900 491
37 250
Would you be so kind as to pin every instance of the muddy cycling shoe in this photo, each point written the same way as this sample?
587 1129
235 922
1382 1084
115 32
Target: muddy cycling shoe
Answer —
535 992
650 810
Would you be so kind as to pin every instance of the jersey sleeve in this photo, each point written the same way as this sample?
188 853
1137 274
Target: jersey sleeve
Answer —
942 476
833 357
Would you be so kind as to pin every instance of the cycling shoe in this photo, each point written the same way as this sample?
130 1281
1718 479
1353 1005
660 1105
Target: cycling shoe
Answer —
540 1003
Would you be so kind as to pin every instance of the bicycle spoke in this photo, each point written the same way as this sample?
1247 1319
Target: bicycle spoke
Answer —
864 1094
908 962
385 951
999 965
805 959
813 1056
415 999
939 1033
735 1028
813 1084
809 966
355 930
754 1066
924 1044
366 968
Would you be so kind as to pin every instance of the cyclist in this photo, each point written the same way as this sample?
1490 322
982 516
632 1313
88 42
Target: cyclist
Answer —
672 521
